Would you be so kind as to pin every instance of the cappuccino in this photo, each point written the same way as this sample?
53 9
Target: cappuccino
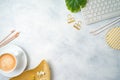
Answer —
7 62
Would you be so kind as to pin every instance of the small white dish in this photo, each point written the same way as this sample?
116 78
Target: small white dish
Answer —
22 62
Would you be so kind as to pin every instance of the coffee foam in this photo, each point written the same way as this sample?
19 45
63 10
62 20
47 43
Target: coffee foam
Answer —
7 62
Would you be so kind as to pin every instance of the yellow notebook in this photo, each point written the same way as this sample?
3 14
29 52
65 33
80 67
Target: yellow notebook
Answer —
41 72
113 38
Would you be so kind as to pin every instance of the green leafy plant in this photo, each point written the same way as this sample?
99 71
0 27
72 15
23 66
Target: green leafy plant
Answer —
75 5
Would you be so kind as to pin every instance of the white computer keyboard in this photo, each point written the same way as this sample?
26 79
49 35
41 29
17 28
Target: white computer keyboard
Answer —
97 10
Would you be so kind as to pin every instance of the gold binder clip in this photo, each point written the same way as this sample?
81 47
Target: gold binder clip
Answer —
77 25
70 18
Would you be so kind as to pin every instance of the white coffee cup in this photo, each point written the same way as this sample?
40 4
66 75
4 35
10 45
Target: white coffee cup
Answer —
9 61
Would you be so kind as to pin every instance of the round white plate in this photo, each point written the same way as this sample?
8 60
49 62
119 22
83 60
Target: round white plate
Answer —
22 63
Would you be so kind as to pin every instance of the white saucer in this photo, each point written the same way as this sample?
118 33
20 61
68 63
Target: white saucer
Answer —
23 60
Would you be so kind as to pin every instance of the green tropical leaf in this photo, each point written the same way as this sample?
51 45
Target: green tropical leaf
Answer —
75 5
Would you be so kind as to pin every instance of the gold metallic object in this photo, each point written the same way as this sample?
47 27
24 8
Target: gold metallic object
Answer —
77 25
70 18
